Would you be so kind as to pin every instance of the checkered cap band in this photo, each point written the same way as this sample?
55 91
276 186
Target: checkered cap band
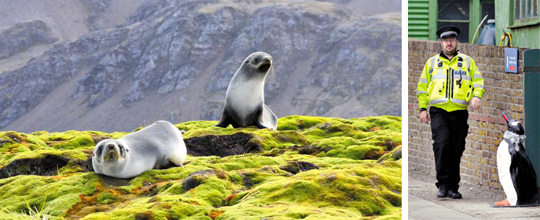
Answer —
448 33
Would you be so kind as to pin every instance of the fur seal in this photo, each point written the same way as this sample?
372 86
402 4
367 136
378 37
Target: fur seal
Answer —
516 172
244 101
151 147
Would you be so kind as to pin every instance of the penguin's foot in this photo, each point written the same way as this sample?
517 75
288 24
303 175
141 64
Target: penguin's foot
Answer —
503 203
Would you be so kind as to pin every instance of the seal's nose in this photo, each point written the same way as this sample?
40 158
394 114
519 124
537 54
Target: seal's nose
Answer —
110 146
257 60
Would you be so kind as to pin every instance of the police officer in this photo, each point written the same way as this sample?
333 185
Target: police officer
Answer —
449 82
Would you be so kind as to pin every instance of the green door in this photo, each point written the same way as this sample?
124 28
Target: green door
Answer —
531 70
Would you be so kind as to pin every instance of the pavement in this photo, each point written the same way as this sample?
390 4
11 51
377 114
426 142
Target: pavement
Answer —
424 204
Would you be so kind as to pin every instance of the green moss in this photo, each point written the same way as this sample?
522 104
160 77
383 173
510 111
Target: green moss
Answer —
286 211
212 191
245 161
196 125
296 122
106 197
358 152
12 143
349 184
358 187
393 155
392 123
59 193
75 155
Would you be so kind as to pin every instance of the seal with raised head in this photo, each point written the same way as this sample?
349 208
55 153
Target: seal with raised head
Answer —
152 147
244 101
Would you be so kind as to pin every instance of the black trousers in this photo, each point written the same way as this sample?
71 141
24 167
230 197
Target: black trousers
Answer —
449 130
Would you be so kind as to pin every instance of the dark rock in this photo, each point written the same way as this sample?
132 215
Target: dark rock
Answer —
144 216
273 152
247 179
389 145
212 111
396 155
22 36
195 179
224 145
95 9
112 182
295 167
87 165
324 107
45 166
309 149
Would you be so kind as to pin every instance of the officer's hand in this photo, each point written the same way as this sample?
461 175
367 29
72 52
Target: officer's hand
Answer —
476 103
424 117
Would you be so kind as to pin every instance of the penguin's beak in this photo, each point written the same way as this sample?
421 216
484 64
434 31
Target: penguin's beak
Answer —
506 117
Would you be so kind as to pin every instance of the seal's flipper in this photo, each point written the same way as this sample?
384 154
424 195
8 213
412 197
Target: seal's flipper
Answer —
267 118
174 164
259 115
226 120
260 124
176 160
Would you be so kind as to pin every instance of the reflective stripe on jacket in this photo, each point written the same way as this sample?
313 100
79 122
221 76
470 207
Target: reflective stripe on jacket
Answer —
449 84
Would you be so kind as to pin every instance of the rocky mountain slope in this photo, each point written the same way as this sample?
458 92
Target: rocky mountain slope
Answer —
173 60
310 168
65 21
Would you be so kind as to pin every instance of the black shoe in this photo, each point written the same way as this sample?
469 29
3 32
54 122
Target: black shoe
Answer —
443 192
454 194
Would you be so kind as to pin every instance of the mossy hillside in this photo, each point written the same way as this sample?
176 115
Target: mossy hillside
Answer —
369 136
67 144
357 175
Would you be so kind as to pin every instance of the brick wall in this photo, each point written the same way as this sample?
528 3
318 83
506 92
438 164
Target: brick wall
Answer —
503 93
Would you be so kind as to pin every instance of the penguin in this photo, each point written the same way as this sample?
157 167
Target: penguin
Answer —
516 172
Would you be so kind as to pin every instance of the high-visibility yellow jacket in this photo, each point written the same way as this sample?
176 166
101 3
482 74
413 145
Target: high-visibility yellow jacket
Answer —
449 84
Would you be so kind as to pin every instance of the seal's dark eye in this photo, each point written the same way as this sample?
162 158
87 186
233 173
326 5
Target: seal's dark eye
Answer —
99 150
257 60
247 61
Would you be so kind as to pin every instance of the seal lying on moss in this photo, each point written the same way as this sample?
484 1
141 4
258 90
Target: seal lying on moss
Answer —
149 148
244 101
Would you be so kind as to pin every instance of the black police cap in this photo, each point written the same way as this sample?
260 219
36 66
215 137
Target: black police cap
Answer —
448 31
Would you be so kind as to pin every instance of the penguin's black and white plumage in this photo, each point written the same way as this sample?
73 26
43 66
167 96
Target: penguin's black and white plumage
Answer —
516 171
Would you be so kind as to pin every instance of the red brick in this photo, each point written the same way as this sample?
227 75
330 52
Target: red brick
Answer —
504 93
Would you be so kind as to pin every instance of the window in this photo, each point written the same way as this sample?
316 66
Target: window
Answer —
525 9
455 12
488 8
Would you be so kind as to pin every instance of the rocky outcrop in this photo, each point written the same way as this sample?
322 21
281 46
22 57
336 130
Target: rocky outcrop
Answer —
295 167
95 9
22 36
226 145
46 166
178 58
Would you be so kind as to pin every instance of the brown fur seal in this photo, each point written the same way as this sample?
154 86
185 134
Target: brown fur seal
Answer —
244 101
149 148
